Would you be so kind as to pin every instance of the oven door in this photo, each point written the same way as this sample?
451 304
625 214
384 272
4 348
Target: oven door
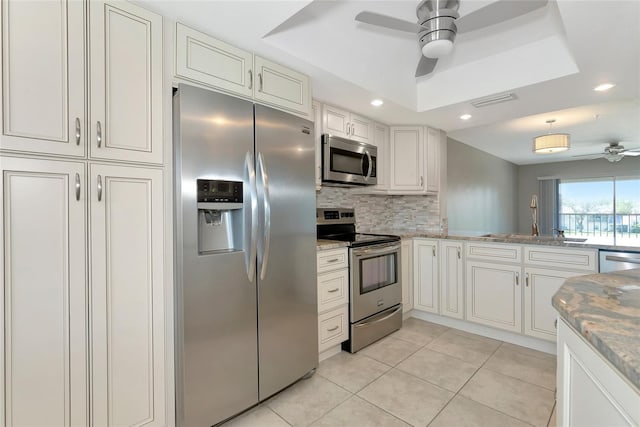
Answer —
375 279
348 162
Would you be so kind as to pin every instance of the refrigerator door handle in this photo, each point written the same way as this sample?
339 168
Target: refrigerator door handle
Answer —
267 217
250 254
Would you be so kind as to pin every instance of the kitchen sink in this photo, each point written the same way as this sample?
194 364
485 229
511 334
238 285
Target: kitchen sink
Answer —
534 238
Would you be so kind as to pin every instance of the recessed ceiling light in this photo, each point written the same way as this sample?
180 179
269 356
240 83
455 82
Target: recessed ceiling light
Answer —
603 87
465 116
377 102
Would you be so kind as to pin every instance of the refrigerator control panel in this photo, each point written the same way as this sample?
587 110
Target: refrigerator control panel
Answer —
214 190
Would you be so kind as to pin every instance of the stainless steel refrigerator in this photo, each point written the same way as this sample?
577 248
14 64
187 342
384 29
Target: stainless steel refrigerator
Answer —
246 314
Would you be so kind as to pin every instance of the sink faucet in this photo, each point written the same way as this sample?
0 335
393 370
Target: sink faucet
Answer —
560 232
534 206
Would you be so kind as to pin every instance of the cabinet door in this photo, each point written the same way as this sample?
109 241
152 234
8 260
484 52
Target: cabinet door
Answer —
125 98
43 78
451 280
406 155
361 129
494 297
317 132
425 279
335 121
44 307
381 140
406 272
127 296
212 62
281 86
539 287
432 161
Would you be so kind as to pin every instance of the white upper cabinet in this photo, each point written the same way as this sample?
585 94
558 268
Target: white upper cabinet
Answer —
43 317
381 140
406 149
125 82
207 61
212 62
317 137
432 160
281 86
43 77
414 160
342 123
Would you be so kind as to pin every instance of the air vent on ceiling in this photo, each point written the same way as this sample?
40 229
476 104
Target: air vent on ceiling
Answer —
494 99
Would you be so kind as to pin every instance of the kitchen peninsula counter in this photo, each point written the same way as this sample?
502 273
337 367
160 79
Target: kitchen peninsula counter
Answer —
605 310
324 244
507 238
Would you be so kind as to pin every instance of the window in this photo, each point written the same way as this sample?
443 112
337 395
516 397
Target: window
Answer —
603 210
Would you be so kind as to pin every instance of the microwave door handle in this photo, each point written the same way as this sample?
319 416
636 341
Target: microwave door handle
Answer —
370 164
250 177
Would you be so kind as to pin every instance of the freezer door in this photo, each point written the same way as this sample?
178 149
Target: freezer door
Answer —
287 309
216 313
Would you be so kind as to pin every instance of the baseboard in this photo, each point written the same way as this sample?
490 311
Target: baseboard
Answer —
331 351
486 331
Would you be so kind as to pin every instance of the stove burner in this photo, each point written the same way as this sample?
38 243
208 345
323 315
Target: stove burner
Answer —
339 224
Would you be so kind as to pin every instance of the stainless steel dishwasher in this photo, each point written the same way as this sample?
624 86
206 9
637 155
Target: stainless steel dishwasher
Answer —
618 260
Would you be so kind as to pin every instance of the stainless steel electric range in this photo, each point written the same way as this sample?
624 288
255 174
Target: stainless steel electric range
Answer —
375 296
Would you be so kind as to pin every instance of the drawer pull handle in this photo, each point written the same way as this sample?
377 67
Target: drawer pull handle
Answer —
335 328
333 260
334 290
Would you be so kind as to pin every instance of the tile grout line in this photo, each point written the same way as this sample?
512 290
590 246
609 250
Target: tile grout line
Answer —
519 379
555 403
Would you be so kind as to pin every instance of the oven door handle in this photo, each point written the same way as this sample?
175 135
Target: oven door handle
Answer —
387 249
376 319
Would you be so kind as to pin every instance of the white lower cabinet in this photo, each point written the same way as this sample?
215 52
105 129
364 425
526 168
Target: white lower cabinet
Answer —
451 279
127 298
333 297
539 287
406 274
425 279
591 392
44 311
494 295
49 356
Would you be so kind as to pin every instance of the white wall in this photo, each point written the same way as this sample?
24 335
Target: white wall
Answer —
482 190
528 179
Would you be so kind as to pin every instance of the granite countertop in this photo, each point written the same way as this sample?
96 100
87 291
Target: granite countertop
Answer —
605 310
323 244
509 238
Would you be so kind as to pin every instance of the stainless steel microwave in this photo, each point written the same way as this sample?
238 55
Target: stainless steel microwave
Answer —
348 162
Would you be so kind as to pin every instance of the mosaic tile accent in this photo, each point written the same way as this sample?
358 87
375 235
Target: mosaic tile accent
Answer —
377 212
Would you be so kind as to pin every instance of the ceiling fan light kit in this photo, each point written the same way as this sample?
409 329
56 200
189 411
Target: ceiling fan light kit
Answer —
551 142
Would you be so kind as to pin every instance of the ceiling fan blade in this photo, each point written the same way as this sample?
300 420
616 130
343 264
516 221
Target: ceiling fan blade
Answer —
387 22
591 156
631 153
495 13
425 66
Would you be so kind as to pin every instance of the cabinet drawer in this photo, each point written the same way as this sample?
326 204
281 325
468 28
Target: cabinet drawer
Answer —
333 289
332 259
333 328
575 259
494 252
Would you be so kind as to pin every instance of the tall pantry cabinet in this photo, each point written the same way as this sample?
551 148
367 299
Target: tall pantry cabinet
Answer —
82 212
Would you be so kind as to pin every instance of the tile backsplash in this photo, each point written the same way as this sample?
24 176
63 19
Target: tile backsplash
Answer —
375 213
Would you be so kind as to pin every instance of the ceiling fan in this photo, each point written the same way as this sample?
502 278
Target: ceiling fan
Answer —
614 152
439 22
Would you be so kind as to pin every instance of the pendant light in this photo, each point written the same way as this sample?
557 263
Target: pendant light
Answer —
551 142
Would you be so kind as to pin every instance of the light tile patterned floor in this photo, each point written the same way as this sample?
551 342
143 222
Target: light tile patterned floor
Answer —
423 375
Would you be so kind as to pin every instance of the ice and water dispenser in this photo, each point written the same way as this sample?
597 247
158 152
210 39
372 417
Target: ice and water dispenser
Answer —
220 218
